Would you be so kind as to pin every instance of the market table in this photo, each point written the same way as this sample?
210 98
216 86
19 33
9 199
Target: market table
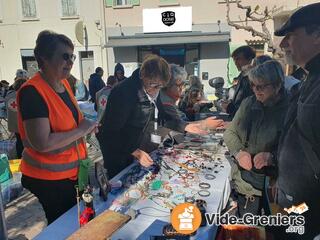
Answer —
152 192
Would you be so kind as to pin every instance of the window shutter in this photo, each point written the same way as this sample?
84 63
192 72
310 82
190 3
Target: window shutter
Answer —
168 1
135 2
109 3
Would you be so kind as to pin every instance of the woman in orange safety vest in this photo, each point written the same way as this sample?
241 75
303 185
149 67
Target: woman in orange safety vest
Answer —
51 127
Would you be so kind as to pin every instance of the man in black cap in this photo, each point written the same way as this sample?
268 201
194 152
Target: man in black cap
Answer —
298 179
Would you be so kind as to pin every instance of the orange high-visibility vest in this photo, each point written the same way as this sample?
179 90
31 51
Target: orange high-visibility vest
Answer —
61 163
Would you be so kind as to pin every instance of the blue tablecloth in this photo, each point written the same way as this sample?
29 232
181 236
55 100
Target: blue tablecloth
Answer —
143 226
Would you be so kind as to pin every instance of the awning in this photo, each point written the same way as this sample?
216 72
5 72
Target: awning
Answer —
133 36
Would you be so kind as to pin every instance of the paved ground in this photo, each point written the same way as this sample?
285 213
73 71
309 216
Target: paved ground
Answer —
25 217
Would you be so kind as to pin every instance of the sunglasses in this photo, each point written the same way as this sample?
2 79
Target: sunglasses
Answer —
67 57
260 87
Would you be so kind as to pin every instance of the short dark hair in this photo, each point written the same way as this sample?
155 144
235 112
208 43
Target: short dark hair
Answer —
111 80
47 43
248 52
98 69
154 66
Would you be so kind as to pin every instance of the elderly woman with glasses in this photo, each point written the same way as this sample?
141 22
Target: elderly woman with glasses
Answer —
253 135
51 127
171 93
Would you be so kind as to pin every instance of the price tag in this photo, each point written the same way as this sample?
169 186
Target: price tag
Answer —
155 138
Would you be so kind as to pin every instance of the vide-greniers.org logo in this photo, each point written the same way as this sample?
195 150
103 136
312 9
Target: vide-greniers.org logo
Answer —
295 223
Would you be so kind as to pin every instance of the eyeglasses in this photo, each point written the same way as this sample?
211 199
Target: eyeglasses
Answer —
260 87
67 56
155 85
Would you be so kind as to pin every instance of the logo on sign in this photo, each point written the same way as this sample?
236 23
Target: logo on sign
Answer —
168 18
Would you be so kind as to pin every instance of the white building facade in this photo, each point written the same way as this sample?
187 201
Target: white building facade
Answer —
191 33
22 20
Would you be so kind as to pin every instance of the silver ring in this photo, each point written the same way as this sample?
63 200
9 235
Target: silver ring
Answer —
204 193
204 185
209 176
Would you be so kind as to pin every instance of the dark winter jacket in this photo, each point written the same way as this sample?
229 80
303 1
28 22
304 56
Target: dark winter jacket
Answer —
95 84
127 117
119 67
242 91
255 128
296 170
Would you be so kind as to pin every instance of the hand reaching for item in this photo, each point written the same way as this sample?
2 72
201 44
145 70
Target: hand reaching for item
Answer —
213 123
195 128
143 158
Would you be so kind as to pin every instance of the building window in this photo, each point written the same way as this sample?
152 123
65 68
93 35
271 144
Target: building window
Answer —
29 9
121 2
69 8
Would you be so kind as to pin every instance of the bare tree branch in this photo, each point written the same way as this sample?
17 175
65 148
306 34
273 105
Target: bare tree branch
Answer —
254 16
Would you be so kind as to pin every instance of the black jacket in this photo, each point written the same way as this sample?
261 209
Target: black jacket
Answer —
119 67
242 91
128 113
296 181
95 84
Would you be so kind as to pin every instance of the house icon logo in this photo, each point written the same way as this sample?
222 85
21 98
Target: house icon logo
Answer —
168 18
186 218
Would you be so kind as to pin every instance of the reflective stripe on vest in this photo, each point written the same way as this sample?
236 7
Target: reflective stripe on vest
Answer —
50 167
26 144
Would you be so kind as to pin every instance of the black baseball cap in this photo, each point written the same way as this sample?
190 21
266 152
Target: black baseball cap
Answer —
304 16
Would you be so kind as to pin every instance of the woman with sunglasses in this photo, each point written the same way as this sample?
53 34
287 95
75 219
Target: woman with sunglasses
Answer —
253 135
51 127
